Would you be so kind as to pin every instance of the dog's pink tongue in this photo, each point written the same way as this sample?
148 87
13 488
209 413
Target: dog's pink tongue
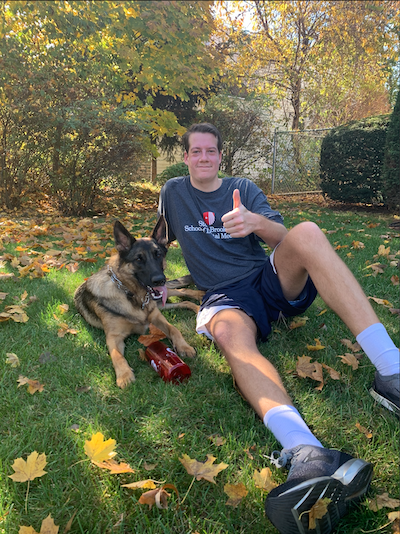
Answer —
163 291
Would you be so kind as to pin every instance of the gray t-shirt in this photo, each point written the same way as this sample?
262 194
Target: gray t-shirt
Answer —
213 257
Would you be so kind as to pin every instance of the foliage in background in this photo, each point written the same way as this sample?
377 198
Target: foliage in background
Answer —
391 162
76 85
177 169
245 126
325 63
352 159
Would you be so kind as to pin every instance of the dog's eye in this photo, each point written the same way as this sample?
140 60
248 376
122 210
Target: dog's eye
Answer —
139 258
157 253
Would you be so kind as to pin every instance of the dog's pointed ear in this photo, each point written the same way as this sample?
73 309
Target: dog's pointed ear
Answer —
123 239
160 231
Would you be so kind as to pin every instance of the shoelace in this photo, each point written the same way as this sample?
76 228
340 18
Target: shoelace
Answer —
282 459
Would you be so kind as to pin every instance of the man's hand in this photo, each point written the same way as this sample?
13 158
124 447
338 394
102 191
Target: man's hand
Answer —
238 222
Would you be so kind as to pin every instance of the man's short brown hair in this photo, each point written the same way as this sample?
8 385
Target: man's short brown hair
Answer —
202 127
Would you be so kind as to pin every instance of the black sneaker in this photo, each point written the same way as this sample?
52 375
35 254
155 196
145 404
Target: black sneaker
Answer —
315 473
386 391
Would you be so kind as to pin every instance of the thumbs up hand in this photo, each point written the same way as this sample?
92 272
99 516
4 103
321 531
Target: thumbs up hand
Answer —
236 221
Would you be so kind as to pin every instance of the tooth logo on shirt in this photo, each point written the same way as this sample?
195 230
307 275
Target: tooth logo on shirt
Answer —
209 217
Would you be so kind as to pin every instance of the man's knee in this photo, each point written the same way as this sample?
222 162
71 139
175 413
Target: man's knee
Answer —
229 324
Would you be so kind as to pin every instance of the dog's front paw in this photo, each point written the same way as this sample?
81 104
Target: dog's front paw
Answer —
185 350
125 378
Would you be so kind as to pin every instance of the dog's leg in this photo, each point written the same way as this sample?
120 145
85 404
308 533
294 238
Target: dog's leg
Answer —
180 345
188 293
116 348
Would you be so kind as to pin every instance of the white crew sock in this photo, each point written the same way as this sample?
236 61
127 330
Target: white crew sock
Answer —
380 349
288 427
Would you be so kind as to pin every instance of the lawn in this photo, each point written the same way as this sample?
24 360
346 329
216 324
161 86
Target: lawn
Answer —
154 423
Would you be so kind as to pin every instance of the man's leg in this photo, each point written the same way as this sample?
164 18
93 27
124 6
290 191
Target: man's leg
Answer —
305 250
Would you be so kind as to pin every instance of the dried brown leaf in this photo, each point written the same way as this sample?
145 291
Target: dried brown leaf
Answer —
263 479
235 492
206 470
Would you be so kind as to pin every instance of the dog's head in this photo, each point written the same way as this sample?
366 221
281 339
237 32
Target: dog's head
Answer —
144 257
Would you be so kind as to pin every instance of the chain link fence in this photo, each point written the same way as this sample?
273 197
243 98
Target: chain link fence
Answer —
295 164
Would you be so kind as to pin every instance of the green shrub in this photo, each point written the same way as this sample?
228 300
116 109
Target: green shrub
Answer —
391 161
177 169
352 159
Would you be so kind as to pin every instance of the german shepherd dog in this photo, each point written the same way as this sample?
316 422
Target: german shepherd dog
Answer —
123 297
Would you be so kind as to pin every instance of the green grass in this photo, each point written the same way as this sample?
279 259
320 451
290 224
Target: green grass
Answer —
156 423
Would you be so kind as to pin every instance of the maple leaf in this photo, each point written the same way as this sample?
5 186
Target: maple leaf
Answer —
235 492
12 359
263 479
29 469
332 373
317 345
217 440
383 501
200 470
99 450
358 244
382 251
306 369
350 359
354 347
155 335
362 429
65 329
114 467
33 385
48 527
395 280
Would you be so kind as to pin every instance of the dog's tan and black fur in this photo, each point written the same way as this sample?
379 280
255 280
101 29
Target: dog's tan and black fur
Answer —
122 297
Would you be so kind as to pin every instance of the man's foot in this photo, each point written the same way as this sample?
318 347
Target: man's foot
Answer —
315 474
386 391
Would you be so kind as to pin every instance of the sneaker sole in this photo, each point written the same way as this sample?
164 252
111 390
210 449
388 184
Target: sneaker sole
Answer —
348 484
383 401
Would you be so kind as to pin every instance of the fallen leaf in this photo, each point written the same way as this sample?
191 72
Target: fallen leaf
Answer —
298 322
235 492
318 511
155 335
114 467
63 308
12 359
33 385
383 501
69 524
65 329
382 251
317 345
354 347
364 431
149 483
217 440
358 245
395 280
307 369
149 467
200 470
98 450
350 359
332 372
394 311
29 469
382 302
263 480
159 497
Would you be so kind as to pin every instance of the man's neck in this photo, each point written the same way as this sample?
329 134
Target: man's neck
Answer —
207 187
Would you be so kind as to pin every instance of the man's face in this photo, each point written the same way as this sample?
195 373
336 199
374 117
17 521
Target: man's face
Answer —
203 159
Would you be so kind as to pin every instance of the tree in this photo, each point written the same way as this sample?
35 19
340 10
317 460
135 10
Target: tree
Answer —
317 55
391 161
65 70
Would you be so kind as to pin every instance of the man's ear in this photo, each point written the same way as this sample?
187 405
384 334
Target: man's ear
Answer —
160 231
123 239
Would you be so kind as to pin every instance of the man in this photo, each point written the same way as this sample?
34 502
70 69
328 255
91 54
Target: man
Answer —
245 291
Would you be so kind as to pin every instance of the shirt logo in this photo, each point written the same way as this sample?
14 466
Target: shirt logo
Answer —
209 217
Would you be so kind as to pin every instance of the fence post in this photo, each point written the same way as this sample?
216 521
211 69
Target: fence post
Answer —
274 160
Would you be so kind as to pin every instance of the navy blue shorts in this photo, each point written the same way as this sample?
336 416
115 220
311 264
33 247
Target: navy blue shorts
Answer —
260 296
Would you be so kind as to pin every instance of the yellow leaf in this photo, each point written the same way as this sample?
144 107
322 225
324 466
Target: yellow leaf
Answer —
149 483
382 251
299 321
364 431
235 492
383 302
263 480
200 470
27 530
48 526
317 345
98 450
29 469
33 385
12 359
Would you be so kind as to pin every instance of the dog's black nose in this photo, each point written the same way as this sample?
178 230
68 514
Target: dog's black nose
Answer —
158 280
